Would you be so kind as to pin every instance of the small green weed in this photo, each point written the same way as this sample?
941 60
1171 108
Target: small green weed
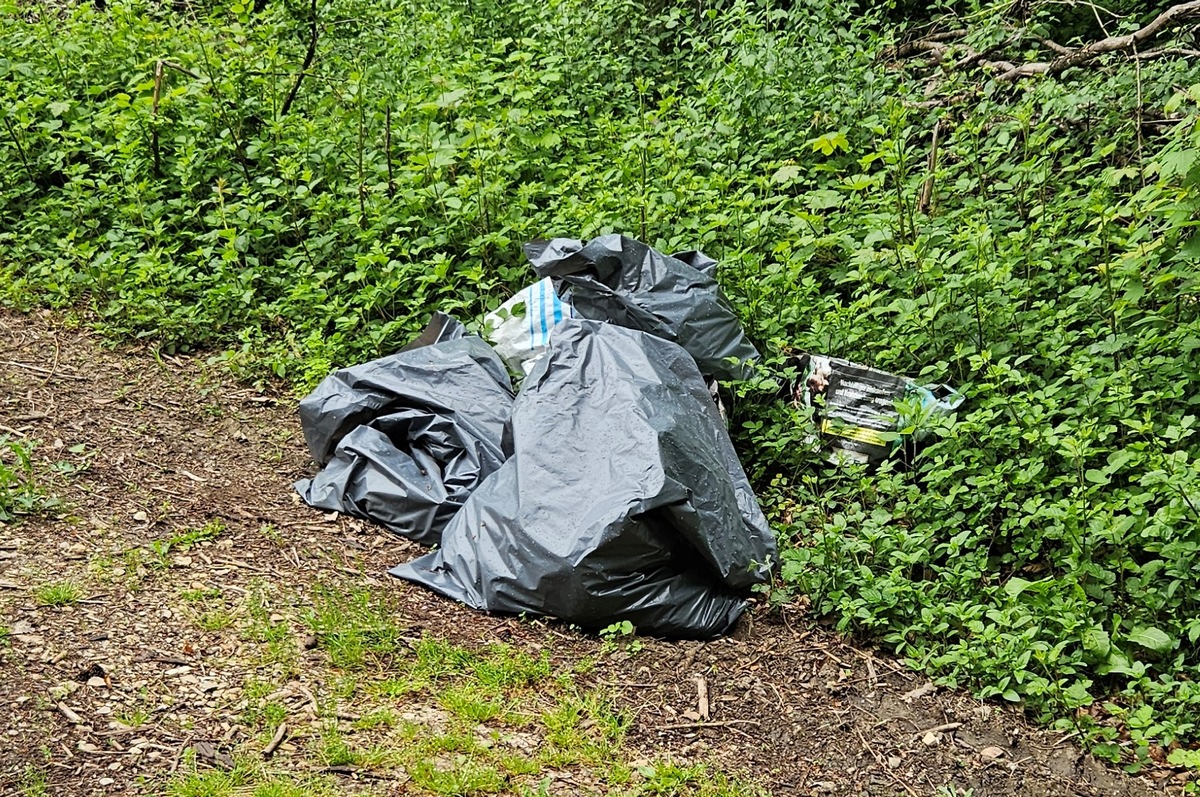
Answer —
33 783
621 635
187 539
215 620
383 718
199 595
20 493
59 593
134 719
183 541
69 468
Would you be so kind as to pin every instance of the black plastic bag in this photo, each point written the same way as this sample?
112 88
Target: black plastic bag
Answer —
625 282
623 498
405 439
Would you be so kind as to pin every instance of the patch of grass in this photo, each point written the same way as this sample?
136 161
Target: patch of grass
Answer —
101 568
215 620
279 647
457 775
353 627
395 687
474 705
457 740
247 780
692 781
259 711
199 595
58 593
582 728
344 687
33 783
207 608
470 746
515 764
497 667
383 718
189 538
334 749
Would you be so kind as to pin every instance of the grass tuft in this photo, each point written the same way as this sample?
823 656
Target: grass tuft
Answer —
59 593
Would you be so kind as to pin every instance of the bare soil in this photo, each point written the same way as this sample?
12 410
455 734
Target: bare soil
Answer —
107 694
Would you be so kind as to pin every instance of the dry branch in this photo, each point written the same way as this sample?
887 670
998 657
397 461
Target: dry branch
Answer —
939 45
314 34
276 740
1131 42
702 705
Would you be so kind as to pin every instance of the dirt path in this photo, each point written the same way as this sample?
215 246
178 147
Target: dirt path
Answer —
180 612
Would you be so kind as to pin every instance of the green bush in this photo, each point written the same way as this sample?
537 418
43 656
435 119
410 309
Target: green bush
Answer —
182 177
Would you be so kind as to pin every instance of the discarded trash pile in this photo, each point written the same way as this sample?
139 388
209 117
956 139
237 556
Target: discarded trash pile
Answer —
607 489
862 409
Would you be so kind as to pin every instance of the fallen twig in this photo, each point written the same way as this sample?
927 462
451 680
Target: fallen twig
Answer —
702 705
949 726
304 690
179 755
37 370
679 726
276 740
343 769
71 716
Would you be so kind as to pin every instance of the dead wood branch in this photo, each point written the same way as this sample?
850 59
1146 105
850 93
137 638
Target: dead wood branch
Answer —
1131 42
1134 44
276 740
926 202
934 43
702 705
314 34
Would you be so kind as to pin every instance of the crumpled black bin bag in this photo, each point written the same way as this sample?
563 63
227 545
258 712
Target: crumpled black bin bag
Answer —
622 499
405 439
617 279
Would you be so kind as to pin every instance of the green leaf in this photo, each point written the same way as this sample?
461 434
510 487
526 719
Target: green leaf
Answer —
1016 585
786 174
1077 695
1183 757
1179 162
1096 643
1152 639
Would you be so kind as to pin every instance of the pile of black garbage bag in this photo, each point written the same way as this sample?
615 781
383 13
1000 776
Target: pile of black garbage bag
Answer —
607 489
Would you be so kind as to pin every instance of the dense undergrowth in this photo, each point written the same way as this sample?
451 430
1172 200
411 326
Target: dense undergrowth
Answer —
178 173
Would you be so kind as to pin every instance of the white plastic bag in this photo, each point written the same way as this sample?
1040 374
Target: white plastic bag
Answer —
519 330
